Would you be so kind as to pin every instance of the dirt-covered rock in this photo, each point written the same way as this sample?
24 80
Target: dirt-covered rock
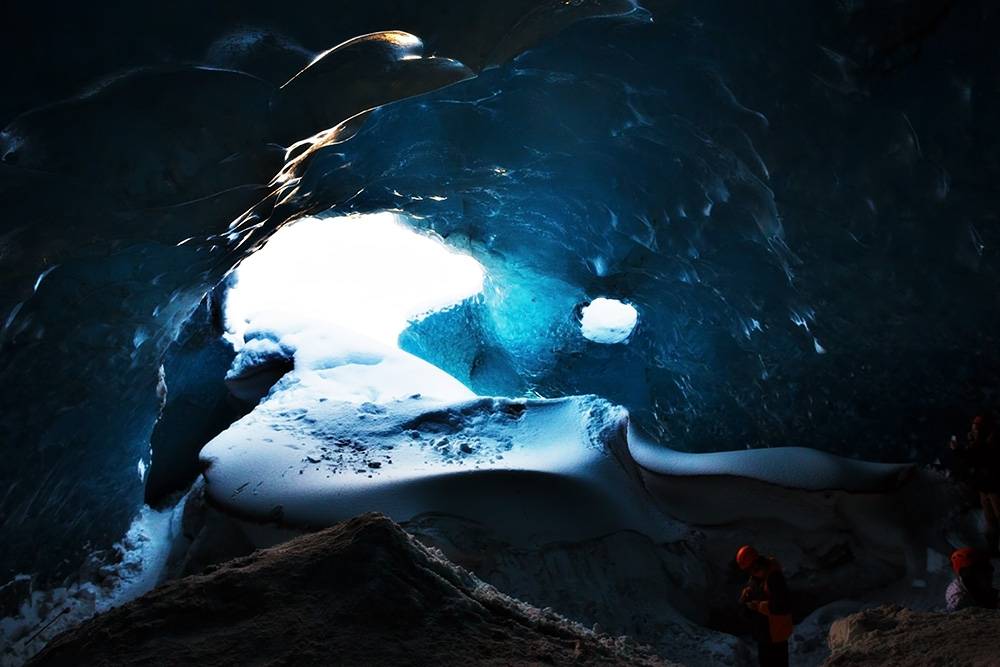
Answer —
361 592
892 635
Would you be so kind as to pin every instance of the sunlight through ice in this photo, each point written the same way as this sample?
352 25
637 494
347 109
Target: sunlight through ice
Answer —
607 320
368 273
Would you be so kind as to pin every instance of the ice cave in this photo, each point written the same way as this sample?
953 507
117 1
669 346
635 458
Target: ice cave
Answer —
535 332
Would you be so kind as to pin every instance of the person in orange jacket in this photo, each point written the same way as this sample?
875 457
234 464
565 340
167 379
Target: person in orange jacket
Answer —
766 596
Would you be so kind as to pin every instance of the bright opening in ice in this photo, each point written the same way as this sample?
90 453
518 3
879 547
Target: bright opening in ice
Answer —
608 321
371 274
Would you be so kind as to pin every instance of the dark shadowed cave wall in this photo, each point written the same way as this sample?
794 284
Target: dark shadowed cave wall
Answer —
799 198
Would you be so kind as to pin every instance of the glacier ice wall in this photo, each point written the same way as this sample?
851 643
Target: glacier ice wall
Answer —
130 142
786 193
797 197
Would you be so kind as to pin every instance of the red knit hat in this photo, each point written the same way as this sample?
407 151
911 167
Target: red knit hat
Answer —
965 557
746 557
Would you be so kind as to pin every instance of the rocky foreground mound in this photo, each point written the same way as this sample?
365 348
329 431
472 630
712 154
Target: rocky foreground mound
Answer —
360 592
890 635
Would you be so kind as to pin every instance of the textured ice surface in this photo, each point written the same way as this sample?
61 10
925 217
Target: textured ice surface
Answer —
198 406
473 354
646 162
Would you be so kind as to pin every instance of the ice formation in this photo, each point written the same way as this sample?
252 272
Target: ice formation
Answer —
802 213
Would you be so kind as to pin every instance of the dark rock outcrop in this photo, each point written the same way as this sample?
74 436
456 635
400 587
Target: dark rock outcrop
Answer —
361 592
890 635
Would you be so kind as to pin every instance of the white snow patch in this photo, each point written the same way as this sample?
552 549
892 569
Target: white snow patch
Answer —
497 461
334 364
790 467
358 426
608 321
371 274
139 562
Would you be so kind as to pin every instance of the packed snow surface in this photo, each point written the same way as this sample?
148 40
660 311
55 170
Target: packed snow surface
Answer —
368 273
358 426
793 467
608 321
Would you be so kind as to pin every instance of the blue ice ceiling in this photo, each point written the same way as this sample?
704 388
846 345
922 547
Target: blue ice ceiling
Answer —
798 197
793 230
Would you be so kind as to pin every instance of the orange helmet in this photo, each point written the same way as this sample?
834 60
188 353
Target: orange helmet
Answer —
746 557
964 557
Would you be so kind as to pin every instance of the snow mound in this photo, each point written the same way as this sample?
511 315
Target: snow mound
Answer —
305 460
791 467
356 425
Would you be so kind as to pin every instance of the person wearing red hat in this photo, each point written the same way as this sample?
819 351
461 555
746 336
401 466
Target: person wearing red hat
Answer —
979 465
766 597
973 584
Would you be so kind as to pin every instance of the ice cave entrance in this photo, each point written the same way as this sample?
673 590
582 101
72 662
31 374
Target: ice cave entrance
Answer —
608 321
371 274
